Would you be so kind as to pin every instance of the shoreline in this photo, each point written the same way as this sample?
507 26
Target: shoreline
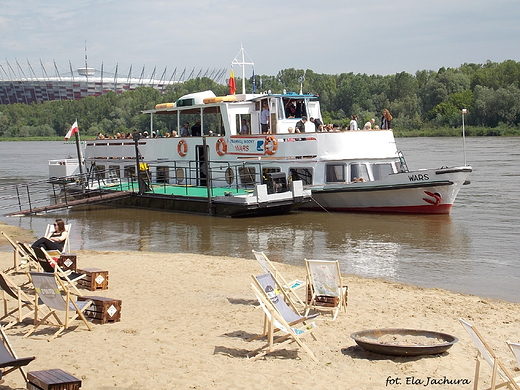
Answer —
185 318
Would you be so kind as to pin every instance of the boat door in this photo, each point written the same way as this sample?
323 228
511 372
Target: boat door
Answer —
202 170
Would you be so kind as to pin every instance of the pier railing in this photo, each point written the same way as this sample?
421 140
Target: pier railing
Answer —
59 193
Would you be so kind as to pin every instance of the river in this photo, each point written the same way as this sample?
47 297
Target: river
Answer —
475 250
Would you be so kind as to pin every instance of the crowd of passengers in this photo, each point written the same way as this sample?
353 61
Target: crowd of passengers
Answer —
196 129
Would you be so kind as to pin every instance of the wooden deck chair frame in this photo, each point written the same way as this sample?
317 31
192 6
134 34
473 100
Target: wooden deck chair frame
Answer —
8 360
276 321
30 255
46 288
66 244
484 352
24 304
280 300
48 264
326 289
515 348
290 287
18 255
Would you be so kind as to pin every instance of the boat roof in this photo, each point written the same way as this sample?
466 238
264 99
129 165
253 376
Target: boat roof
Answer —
240 98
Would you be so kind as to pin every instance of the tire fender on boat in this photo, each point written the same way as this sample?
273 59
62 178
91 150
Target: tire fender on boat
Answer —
271 144
221 146
182 148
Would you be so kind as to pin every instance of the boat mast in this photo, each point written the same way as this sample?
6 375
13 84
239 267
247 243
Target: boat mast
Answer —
243 64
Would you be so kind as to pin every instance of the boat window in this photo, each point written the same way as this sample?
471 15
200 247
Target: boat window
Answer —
358 172
163 174
303 174
179 175
266 171
381 171
335 173
130 171
243 120
114 171
247 175
98 171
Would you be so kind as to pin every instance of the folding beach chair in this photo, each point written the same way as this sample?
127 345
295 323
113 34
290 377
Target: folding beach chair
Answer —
485 352
19 257
8 360
278 297
325 289
515 348
50 294
66 245
24 305
275 321
48 264
290 287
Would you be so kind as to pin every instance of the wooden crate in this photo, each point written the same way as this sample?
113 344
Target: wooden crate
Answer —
322 300
55 379
68 262
95 279
103 310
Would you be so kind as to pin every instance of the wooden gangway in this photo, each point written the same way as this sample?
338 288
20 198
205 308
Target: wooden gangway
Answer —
92 198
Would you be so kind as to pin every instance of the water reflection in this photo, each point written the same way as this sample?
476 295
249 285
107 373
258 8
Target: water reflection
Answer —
387 246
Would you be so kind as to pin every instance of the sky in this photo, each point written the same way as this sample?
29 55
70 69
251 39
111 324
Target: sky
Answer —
329 37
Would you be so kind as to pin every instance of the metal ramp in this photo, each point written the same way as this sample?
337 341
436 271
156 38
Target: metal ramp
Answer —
101 197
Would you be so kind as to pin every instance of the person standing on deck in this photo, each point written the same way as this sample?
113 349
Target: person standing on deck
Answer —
185 132
386 120
264 119
353 123
196 129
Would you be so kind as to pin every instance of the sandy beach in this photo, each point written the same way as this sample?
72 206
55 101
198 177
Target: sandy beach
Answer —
185 319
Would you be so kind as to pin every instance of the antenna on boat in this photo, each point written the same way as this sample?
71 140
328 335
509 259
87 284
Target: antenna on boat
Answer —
464 111
243 64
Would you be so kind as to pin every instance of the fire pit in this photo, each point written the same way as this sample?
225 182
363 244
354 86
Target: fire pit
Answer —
403 342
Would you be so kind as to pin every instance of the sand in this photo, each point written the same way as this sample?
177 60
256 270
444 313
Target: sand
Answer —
185 318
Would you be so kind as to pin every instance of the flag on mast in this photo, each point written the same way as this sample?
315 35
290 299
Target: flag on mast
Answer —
73 130
231 83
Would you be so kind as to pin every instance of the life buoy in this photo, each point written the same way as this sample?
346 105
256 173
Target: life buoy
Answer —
271 144
221 146
182 148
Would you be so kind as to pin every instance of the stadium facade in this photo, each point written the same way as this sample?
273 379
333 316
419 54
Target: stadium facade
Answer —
17 87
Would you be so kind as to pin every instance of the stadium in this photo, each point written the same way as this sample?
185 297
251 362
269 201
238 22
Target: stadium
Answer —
23 85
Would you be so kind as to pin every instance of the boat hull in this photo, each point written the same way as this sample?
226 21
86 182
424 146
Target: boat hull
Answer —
399 193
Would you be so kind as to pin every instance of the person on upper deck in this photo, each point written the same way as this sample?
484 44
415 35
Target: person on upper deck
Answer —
54 240
317 124
185 132
386 120
196 129
368 125
290 109
264 119
300 125
353 123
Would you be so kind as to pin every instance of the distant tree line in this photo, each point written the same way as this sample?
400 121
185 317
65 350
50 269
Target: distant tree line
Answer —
427 103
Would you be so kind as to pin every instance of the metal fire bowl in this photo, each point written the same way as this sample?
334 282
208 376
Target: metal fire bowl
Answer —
364 340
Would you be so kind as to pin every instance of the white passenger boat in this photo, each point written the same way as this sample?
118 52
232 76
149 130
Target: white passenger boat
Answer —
356 171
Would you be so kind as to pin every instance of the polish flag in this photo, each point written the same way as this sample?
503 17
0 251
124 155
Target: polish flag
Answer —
73 130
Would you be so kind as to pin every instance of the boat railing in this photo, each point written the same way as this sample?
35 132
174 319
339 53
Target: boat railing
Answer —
220 174
403 166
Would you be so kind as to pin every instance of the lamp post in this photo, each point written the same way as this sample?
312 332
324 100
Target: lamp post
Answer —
464 111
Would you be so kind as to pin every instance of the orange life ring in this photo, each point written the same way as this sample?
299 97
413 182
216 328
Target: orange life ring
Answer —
182 148
221 146
271 144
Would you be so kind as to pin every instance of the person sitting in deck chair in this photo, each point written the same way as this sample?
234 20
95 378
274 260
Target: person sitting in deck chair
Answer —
55 240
